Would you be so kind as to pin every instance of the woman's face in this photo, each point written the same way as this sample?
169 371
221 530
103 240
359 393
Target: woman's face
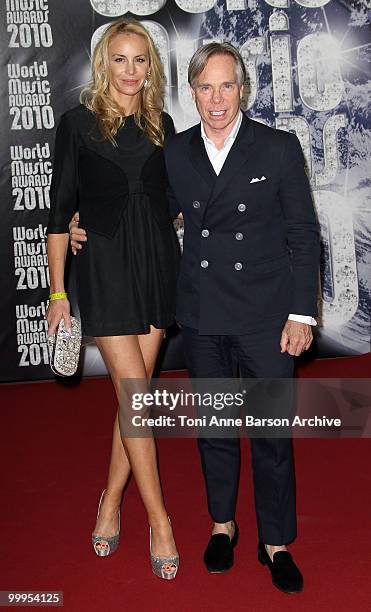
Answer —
129 66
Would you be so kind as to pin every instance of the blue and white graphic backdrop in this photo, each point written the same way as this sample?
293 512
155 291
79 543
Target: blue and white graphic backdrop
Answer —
308 63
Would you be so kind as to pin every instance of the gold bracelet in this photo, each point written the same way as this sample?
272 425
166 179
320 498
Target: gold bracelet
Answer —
61 295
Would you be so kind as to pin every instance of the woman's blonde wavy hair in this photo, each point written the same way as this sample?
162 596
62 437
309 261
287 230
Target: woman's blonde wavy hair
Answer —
96 95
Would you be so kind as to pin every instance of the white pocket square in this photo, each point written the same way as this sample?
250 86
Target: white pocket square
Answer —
257 180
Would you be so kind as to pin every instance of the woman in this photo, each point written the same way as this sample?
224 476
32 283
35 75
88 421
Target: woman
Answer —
109 164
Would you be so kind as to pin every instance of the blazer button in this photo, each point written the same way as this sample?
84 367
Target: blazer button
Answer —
204 263
241 207
205 233
196 204
238 266
239 236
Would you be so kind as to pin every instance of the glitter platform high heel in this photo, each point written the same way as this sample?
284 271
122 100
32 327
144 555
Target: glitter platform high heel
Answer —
103 545
163 567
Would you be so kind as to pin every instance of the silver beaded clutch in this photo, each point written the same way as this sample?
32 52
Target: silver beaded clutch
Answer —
64 348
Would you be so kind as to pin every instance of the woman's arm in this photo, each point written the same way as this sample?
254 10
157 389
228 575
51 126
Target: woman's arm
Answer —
63 202
60 308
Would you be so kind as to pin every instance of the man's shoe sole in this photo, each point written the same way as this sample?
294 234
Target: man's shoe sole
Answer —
219 571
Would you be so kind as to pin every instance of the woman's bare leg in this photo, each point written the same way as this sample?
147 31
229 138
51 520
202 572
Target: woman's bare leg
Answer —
134 357
119 469
118 474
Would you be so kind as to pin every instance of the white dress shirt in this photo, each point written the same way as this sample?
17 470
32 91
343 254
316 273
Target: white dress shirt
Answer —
217 158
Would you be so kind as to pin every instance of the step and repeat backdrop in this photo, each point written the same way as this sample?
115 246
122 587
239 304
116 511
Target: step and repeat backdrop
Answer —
309 72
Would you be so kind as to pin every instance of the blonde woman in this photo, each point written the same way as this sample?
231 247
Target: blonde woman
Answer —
109 166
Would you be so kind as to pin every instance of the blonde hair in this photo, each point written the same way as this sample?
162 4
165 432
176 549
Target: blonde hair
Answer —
96 96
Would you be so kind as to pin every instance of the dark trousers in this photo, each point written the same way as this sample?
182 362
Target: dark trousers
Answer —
257 355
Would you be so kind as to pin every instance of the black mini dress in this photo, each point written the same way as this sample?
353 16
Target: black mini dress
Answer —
127 270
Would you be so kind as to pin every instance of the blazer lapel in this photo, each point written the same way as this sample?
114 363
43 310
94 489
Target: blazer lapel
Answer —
199 157
237 156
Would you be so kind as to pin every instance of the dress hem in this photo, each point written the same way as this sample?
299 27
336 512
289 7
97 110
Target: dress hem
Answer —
144 329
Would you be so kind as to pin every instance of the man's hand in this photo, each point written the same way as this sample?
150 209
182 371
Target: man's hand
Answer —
77 234
296 337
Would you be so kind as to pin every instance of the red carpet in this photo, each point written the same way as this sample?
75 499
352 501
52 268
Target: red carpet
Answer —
54 456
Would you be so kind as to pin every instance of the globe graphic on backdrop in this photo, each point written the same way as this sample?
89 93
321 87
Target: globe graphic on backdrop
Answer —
353 140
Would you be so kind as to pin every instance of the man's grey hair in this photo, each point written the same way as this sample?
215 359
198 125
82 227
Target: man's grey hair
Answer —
203 54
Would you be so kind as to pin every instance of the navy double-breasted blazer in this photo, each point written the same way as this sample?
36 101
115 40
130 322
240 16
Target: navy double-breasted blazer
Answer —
251 247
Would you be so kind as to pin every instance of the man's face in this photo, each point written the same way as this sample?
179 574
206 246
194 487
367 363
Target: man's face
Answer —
217 94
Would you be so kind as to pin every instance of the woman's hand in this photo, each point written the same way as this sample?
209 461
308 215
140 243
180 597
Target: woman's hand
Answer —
58 310
77 234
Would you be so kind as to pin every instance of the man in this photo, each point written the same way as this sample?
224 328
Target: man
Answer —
247 288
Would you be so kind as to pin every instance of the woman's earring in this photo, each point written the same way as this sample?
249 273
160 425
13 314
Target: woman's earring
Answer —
146 82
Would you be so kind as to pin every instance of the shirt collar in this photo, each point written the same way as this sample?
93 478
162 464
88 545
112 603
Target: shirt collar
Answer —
232 135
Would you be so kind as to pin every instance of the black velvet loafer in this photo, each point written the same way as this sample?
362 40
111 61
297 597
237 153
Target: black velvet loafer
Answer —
218 556
286 575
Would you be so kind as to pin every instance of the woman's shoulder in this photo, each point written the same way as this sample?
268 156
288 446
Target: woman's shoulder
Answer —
77 120
77 114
